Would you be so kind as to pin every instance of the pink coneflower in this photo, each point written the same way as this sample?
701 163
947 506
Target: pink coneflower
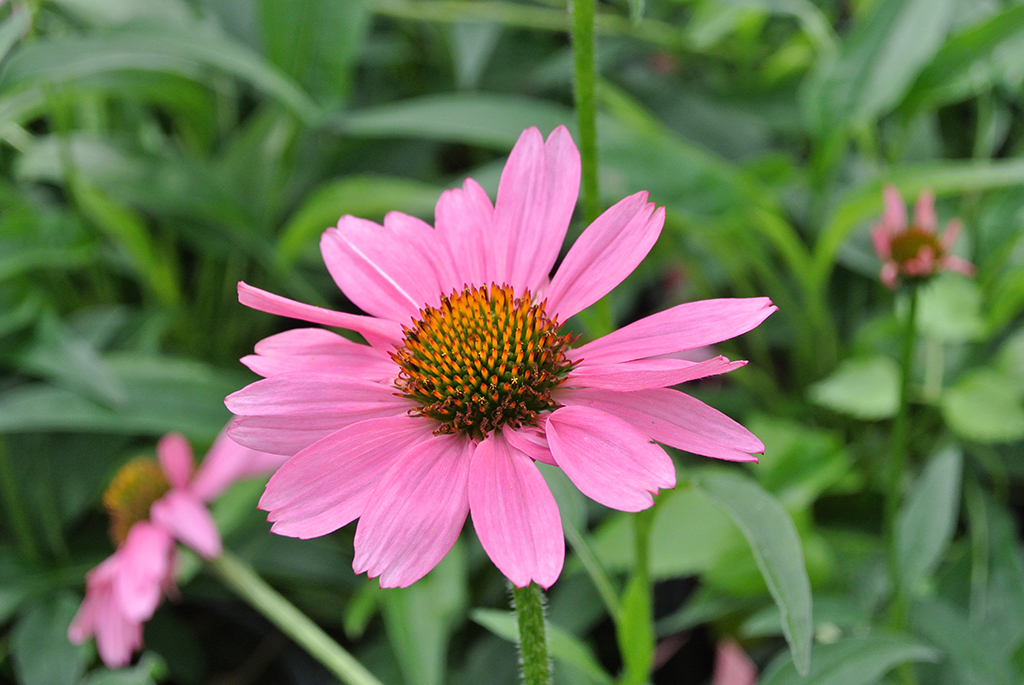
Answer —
152 504
467 380
913 250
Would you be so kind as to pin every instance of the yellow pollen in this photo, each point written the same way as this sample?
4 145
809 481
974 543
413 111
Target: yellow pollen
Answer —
502 358
131 493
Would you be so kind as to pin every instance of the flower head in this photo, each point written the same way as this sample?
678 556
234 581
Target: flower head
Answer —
913 250
152 504
467 381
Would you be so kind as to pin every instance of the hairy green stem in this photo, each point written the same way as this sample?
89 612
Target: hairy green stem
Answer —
533 646
584 85
248 585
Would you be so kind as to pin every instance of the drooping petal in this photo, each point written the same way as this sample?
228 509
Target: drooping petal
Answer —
607 458
604 255
536 198
514 514
882 241
683 327
186 518
175 456
532 442
894 218
463 219
100 614
415 513
315 349
326 486
382 334
672 418
226 463
145 565
647 373
306 404
386 270
950 235
924 211
958 264
889 274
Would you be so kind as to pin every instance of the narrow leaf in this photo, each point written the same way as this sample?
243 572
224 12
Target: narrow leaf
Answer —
856 661
775 543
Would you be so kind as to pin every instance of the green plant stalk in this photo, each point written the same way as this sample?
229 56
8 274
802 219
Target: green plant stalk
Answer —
635 627
533 647
584 85
898 463
15 509
248 585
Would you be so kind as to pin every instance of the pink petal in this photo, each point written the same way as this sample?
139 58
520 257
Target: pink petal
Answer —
894 218
889 274
175 456
228 462
951 233
514 514
882 240
536 198
415 513
647 373
117 636
316 349
954 263
608 251
463 219
385 270
186 518
608 459
924 211
145 565
733 666
382 334
532 442
683 327
327 485
307 404
672 418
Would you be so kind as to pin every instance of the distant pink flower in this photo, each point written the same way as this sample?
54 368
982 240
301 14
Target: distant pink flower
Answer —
466 381
914 250
152 506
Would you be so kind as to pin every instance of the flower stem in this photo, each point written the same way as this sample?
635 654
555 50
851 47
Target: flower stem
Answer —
897 465
586 108
248 585
533 647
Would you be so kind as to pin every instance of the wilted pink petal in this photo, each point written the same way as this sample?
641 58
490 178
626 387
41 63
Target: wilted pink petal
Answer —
144 570
226 463
471 380
186 518
101 614
175 455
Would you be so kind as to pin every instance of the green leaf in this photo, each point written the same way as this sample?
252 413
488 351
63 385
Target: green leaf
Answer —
40 647
973 657
149 670
489 120
971 61
315 42
12 29
866 388
856 661
563 646
950 309
776 546
420 618
878 62
635 631
926 522
119 12
369 197
57 61
985 406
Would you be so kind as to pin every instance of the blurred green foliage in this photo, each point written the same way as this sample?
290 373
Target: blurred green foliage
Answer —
155 152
